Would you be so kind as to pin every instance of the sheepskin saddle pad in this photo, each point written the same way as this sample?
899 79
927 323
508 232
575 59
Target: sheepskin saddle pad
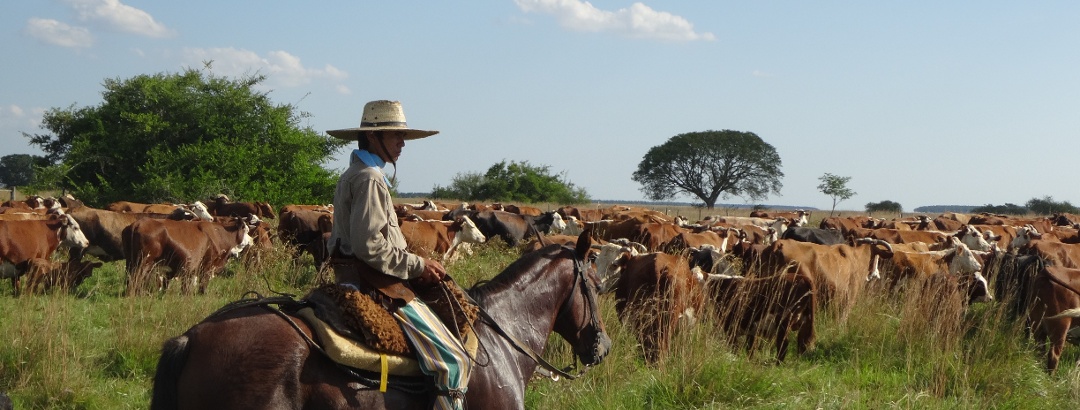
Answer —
354 315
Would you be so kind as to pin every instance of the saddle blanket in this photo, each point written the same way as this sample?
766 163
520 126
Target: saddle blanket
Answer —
352 353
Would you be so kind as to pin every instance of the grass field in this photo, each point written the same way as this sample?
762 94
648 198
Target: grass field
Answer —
95 349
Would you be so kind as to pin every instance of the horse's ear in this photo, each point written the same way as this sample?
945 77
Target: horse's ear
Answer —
584 243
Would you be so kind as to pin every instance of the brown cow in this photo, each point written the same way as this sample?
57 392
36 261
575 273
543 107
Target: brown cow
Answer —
440 238
655 234
743 304
902 236
653 294
685 240
523 210
946 224
303 231
1054 252
581 214
839 271
104 230
845 225
221 206
194 251
798 217
21 241
45 274
958 261
1056 303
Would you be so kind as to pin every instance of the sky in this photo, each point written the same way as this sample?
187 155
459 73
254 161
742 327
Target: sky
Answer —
918 102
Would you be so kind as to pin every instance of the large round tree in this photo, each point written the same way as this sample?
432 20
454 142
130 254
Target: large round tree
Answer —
187 136
709 165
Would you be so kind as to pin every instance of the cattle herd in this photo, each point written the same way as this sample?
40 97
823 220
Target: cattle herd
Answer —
764 275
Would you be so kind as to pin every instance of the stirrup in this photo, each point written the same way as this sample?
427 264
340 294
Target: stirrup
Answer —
457 397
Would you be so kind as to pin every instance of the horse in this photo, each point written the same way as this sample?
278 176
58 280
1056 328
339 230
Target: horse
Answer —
251 357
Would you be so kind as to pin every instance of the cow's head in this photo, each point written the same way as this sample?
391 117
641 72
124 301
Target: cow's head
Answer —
199 209
610 261
971 237
803 218
78 271
962 261
469 232
243 230
1024 235
71 235
558 224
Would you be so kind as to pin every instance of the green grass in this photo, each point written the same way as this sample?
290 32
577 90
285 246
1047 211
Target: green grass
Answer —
96 349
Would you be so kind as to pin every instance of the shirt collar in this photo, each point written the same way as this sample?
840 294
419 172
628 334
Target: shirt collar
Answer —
372 160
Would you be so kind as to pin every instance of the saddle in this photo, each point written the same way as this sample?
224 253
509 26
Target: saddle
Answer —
359 332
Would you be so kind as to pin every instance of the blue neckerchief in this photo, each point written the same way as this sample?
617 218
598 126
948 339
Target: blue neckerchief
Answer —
372 160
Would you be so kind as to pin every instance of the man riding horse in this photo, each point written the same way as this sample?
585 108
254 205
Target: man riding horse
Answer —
370 250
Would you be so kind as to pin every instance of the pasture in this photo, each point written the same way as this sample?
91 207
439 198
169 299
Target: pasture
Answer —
97 349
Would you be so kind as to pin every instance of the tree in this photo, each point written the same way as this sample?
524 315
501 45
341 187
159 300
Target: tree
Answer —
835 187
1007 209
709 165
17 170
884 206
513 182
1047 206
177 137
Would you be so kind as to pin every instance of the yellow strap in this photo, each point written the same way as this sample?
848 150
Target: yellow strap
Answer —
385 372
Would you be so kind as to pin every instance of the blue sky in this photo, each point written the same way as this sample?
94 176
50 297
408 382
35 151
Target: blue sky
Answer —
920 103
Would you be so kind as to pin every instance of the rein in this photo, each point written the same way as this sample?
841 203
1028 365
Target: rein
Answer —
579 276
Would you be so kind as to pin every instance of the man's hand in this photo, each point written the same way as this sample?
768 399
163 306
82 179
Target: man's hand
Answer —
433 272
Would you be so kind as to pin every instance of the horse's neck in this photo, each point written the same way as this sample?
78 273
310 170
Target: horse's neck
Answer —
527 308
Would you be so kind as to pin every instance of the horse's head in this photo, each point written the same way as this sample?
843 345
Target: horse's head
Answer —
578 319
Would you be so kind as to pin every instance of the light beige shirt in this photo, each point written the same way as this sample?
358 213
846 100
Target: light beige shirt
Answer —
366 226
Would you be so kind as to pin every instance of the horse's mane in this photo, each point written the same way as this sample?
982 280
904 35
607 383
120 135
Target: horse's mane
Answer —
482 289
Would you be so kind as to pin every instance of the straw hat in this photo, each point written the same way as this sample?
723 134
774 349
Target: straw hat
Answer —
381 115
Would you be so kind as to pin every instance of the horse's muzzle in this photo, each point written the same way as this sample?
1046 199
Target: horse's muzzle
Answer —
600 350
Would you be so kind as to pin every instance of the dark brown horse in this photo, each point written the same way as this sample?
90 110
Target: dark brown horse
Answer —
252 358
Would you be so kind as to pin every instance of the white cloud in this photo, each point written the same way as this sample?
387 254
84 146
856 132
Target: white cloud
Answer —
119 16
12 111
759 73
58 34
638 21
280 67
19 119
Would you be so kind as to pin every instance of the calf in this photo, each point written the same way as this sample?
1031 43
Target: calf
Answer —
744 306
45 274
303 230
21 241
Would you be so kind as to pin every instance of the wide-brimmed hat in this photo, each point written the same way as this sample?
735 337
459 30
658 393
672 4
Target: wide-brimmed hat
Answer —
381 115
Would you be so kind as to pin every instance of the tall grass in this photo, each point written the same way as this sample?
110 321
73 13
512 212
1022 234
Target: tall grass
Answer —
97 349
